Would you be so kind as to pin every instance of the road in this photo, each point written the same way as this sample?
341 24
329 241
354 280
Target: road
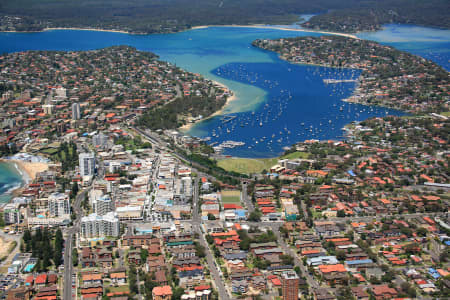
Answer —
160 145
381 216
275 227
69 233
196 223
247 201
217 279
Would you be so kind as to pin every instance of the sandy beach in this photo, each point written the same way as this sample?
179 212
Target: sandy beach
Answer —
31 168
231 98
4 247
281 28
260 26
28 170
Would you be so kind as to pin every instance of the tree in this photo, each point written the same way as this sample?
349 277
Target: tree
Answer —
287 259
74 257
421 231
57 257
340 255
211 217
200 250
209 239
149 285
177 293
255 216
132 281
144 255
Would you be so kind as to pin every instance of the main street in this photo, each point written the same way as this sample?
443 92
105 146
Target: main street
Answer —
196 223
69 233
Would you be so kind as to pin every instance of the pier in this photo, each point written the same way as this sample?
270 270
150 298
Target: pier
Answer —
330 81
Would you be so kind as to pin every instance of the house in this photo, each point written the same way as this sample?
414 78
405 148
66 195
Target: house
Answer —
155 263
134 257
239 286
374 272
182 253
118 277
20 293
334 274
93 289
92 279
106 262
323 294
41 280
262 252
360 293
139 240
383 291
52 279
49 293
322 260
162 293
359 264
160 277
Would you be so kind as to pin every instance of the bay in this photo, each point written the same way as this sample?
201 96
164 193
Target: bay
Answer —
277 103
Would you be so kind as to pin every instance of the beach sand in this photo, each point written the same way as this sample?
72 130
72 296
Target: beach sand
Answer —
188 126
260 26
28 170
4 247
31 168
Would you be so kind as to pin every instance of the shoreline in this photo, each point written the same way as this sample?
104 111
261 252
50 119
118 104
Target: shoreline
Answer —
28 172
230 98
262 26
259 26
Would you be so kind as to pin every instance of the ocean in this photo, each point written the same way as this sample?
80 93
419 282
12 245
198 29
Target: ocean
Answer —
10 179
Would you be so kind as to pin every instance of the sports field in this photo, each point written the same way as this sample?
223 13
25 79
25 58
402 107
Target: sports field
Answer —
231 196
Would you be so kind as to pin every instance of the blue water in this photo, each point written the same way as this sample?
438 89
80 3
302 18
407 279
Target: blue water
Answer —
10 178
292 98
29 268
431 43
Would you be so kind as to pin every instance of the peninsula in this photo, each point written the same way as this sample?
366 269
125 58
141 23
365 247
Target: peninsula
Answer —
146 17
106 87
389 77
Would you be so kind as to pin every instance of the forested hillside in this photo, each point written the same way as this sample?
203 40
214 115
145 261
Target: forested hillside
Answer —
149 16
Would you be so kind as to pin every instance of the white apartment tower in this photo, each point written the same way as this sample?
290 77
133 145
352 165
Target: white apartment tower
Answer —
87 164
103 205
58 204
100 226
76 113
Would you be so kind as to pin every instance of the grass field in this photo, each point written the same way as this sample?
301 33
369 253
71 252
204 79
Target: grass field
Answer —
446 113
255 165
117 289
247 165
231 197
297 154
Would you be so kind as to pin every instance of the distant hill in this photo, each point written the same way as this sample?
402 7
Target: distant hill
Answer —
151 16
